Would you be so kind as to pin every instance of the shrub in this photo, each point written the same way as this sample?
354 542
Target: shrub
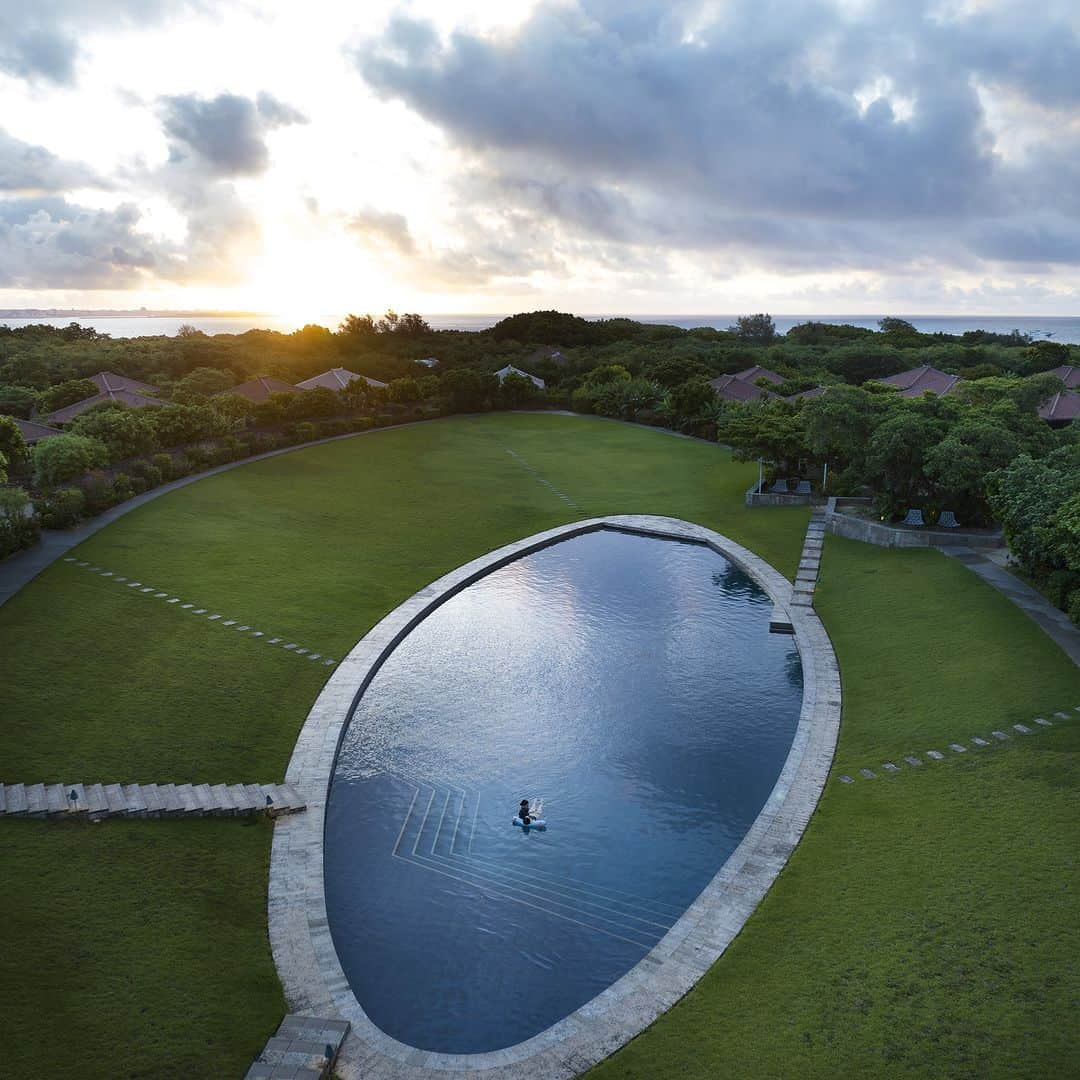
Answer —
17 529
305 432
125 432
98 491
123 489
361 423
1060 586
147 474
1074 607
66 457
166 465
264 442
61 509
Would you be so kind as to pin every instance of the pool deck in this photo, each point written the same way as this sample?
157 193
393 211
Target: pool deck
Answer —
303 948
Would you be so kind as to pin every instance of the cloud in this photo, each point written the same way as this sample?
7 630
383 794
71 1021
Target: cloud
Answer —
803 135
39 40
49 243
383 228
224 136
29 169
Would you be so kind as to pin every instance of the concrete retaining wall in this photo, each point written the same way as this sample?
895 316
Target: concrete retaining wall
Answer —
884 535
769 498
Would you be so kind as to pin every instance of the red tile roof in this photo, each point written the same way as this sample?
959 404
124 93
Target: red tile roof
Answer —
1068 374
336 379
923 380
260 388
752 374
106 381
123 397
1061 407
732 388
33 432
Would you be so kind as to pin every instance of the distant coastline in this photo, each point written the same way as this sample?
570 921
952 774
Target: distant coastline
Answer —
146 323
125 313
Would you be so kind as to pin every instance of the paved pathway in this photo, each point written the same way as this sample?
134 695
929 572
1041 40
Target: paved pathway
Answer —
810 561
304 1048
1056 623
98 801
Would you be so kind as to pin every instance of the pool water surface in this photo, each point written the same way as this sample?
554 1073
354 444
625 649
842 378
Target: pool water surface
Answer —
631 684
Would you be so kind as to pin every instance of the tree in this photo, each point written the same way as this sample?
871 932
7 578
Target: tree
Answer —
675 370
892 325
770 430
125 432
178 425
66 457
692 402
17 400
838 423
357 327
202 383
754 329
403 391
957 466
66 393
895 456
467 390
12 445
18 529
517 390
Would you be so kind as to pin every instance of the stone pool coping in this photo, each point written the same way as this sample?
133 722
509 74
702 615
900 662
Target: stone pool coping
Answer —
303 949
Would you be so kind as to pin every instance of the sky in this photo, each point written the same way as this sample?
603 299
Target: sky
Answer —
650 156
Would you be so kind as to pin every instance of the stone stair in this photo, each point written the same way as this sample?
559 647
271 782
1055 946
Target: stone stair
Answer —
810 561
304 1048
97 801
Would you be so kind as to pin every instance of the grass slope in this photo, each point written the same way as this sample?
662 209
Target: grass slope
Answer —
150 937
925 926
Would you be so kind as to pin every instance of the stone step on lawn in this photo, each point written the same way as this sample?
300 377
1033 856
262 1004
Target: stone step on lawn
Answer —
15 799
204 797
242 799
189 799
56 799
36 805
223 804
173 806
78 804
114 799
303 1047
96 803
155 804
286 798
135 800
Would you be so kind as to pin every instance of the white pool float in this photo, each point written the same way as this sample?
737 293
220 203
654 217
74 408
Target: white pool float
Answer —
534 823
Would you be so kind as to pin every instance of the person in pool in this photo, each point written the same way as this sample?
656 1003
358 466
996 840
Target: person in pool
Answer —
523 812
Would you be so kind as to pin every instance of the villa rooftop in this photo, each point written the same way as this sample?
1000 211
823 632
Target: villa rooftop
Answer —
511 370
260 388
107 381
752 374
732 388
923 380
130 398
336 379
33 432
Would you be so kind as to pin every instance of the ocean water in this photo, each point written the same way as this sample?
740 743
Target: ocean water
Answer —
633 686
1065 329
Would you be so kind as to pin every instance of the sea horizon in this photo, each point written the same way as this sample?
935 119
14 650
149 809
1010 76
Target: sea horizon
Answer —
1061 328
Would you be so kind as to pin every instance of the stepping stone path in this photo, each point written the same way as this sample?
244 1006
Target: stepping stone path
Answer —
97 801
802 595
233 624
959 748
304 1048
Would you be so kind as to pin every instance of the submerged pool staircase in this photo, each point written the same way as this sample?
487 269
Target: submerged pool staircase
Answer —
439 833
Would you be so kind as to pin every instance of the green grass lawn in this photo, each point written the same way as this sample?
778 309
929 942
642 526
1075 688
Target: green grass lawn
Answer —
922 927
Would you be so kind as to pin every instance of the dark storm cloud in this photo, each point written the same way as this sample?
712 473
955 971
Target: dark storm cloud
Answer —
39 39
754 126
226 135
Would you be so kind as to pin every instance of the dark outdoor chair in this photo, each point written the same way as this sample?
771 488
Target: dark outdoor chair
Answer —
947 520
914 517
779 488
803 487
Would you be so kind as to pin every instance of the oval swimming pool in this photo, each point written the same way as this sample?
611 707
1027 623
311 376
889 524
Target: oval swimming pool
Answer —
629 683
